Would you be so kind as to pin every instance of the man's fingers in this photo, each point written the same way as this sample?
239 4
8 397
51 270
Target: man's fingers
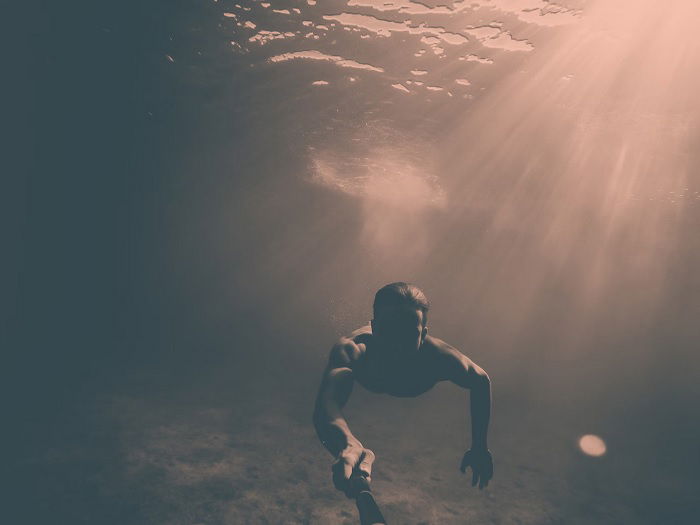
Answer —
484 473
365 465
351 459
475 477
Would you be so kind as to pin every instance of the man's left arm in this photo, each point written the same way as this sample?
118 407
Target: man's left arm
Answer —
461 370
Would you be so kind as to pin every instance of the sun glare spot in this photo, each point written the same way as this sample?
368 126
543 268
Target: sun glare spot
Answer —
592 445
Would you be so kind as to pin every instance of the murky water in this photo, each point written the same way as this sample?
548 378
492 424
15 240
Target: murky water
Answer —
531 165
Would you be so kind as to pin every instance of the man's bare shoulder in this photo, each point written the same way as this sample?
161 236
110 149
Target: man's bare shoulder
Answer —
444 357
438 347
348 350
450 363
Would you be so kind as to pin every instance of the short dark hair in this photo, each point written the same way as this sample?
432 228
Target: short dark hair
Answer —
398 294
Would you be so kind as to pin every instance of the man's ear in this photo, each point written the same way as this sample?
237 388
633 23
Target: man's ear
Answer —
425 331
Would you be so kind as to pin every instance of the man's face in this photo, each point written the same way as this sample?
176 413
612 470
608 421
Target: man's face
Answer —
399 329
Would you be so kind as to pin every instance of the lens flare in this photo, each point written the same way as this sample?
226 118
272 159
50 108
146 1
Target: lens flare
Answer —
592 445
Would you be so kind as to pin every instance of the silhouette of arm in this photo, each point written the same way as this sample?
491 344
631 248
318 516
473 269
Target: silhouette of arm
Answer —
336 387
458 368
329 422
467 374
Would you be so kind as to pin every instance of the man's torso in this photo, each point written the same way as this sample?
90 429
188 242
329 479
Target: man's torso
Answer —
407 377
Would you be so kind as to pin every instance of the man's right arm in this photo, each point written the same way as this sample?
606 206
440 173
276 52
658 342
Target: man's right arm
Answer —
329 422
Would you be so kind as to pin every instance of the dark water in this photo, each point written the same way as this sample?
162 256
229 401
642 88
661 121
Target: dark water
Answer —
195 231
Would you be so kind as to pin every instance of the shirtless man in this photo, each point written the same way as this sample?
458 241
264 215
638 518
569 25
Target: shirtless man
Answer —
394 355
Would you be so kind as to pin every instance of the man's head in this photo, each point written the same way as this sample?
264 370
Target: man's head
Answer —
400 317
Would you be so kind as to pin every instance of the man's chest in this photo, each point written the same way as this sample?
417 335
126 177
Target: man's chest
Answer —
403 379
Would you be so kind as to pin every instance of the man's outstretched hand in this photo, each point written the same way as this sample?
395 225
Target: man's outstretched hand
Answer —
481 463
356 458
